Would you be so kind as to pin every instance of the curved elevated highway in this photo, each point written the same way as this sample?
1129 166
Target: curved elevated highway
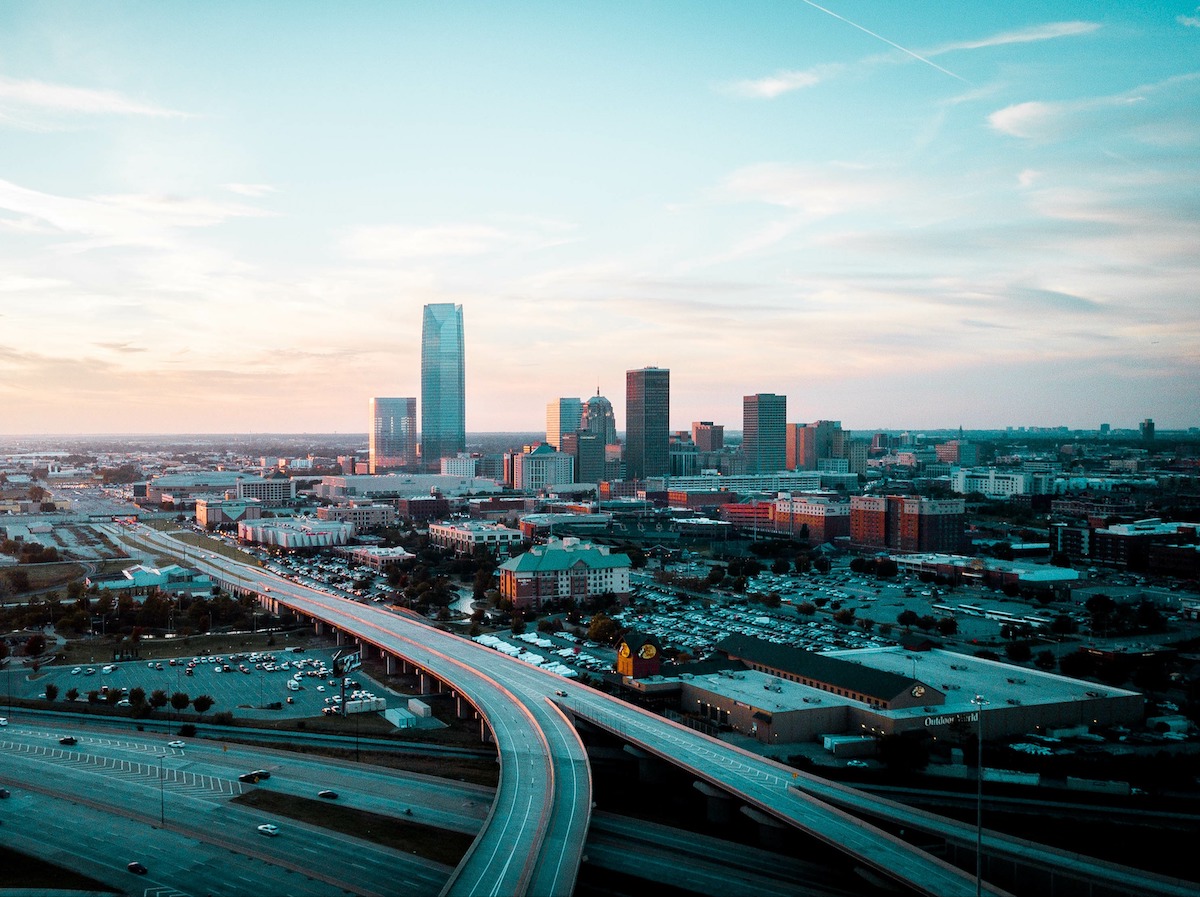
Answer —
532 840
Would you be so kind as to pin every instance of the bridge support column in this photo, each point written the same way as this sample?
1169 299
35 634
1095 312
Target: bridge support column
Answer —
462 707
485 734
341 637
389 664
771 832
319 627
650 768
719 805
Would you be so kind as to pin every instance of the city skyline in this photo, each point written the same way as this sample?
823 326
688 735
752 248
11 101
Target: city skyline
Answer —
229 218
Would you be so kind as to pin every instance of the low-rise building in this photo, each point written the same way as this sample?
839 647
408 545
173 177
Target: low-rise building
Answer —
564 570
363 516
293 533
469 536
142 578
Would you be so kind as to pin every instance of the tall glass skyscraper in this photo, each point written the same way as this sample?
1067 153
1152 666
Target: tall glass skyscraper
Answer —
393 437
647 432
443 385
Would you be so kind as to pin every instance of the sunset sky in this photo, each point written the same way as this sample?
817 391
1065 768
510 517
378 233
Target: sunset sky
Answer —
226 217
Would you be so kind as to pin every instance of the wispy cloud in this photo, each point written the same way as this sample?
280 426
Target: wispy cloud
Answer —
254 191
786 81
1189 21
782 82
39 104
1162 112
123 219
389 242
1048 31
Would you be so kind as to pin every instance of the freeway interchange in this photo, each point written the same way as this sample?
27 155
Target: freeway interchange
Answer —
532 841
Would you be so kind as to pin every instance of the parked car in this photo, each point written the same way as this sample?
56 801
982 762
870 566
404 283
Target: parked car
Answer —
68 739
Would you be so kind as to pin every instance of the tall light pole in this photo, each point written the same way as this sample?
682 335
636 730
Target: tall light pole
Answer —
979 703
162 794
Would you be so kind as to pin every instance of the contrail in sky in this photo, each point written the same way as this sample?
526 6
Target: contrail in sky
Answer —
886 41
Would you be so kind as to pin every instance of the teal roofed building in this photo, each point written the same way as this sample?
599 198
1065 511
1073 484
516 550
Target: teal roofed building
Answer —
562 572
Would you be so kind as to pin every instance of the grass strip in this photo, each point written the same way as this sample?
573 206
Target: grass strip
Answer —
436 844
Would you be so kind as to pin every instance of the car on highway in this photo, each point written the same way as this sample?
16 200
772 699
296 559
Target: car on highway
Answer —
328 795
560 693
136 868
68 739
857 764
3 720
176 744
4 792
261 773
268 829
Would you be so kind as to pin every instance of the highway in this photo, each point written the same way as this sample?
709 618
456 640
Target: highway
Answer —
533 838
102 794
538 822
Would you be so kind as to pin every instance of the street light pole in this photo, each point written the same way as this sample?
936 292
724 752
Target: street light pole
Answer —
979 703
162 794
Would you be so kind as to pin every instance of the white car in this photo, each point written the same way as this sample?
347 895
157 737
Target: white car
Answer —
176 744
76 671
268 829
3 720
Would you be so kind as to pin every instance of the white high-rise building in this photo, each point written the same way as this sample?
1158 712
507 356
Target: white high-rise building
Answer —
562 416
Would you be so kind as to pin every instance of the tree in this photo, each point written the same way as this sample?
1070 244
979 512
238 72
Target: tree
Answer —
907 618
845 616
603 629
1045 660
72 694
51 691
158 699
202 704
1019 652
806 608
947 626
137 698
35 645
180 701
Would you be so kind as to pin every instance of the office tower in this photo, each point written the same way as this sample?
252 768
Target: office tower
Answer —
443 386
1147 428
709 437
806 444
764 432
562 416
598 418
647 437
393 437
588 451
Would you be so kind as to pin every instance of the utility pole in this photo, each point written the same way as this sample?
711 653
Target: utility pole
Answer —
979 702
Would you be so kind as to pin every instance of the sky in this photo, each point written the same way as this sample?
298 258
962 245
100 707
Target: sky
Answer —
225 217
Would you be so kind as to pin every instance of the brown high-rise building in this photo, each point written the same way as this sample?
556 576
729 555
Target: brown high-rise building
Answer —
709 437
907 523
806 444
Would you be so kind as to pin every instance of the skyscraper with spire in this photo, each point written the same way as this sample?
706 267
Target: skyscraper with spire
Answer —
443 385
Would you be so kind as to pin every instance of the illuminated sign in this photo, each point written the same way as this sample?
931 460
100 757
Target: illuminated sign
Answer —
952 718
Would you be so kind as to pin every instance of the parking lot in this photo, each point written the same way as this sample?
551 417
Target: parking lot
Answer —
247 684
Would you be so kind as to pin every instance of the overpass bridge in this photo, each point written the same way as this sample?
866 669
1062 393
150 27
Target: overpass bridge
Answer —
532 841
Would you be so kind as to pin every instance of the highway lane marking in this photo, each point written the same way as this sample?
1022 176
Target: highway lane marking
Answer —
179 780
